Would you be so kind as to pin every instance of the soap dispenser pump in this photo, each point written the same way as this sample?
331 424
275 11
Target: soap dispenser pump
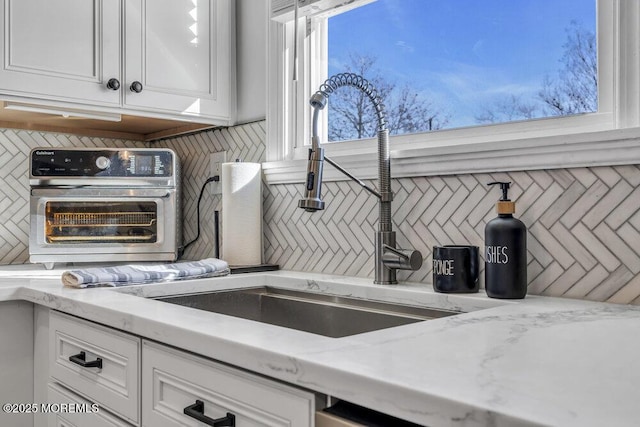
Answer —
505 268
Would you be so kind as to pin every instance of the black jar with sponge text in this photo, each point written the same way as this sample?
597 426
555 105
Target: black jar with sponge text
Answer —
456 269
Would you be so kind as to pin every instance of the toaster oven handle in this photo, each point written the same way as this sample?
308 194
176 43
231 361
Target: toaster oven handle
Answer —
81 359
89 193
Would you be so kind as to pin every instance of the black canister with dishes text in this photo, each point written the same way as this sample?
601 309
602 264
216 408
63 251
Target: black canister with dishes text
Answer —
505 256
455 268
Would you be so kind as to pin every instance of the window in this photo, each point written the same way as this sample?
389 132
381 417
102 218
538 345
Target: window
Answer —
484 135
438 68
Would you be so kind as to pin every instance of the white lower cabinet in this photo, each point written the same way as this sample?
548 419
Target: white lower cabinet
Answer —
181 389
100 364
16 361
99 376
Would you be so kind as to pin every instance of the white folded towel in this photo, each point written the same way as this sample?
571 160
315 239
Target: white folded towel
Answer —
140 274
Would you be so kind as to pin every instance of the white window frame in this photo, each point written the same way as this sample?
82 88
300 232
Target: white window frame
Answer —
609 137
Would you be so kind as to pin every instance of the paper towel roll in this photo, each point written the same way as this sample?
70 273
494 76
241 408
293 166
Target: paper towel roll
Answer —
241 213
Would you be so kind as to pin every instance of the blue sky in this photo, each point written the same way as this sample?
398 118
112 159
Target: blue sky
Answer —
460 53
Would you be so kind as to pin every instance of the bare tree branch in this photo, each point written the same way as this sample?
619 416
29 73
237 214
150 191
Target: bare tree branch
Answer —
352 116
575 90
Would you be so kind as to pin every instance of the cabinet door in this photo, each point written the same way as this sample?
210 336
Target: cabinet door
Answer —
181 52
61 50
179 388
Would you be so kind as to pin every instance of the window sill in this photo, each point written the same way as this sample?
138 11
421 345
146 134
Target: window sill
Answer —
602 148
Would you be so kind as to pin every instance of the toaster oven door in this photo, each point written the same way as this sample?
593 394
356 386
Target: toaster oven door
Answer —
103 225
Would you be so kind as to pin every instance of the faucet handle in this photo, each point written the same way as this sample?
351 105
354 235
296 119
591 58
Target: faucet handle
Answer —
401 259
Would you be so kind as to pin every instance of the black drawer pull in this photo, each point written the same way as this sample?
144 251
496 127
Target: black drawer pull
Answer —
80 359
197 411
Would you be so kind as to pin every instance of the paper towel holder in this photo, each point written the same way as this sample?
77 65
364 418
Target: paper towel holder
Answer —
242 214
240 269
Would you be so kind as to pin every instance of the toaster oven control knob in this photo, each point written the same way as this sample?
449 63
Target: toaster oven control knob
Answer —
102 162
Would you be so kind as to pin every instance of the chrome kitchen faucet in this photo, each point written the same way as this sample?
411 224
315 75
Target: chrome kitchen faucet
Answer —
388 258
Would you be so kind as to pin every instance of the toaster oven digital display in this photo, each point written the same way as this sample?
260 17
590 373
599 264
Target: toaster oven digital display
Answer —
101 163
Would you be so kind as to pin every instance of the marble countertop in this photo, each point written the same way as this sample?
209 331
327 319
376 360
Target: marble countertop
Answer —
538 361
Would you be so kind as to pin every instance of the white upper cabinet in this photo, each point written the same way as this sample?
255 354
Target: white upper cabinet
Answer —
61 50
179 53
164 58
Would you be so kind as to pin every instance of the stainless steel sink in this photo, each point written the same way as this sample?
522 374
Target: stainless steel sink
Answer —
322 314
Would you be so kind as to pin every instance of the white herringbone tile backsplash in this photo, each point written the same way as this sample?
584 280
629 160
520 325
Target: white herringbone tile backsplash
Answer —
584 223
583 239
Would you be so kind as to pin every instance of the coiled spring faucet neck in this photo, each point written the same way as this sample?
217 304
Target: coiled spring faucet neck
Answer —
319 99
388 258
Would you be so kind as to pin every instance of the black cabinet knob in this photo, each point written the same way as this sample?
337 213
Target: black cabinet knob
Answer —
136 87
113 84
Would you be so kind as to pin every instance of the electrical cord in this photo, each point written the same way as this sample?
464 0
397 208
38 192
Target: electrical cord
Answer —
215 178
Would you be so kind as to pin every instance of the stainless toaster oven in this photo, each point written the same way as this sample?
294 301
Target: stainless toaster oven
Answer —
103 205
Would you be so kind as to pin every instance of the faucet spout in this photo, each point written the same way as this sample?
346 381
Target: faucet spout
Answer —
388 258
401 259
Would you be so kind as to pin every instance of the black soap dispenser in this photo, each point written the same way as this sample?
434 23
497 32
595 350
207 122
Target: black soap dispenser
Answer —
505 255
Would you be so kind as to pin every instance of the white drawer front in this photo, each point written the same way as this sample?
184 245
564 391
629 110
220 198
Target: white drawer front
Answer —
116 384
173 380
83 414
